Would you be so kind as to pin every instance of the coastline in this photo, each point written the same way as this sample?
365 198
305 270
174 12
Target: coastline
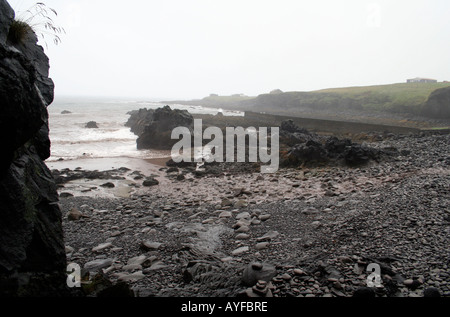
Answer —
119 171
159 161
108 163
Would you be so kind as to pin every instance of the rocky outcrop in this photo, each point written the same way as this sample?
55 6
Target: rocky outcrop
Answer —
291 134
32 253
307 148
139 119
154 128
438 104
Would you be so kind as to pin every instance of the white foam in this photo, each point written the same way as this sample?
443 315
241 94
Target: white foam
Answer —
71 140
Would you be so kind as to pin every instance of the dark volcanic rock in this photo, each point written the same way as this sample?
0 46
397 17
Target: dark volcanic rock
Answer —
23 112
6 17
108 185
336 147
157 133
309 148
311 151
150 181
291 134
91 125
66 175
357 154
139 119
32 252
36 55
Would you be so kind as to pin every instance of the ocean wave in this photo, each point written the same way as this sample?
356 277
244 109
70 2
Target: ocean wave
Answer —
91 141
147 155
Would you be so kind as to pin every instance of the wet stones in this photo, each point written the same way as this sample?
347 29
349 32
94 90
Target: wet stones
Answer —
108 185
271 235
261 245
261 289
150 181
225 214
150 245
240 251
133 277
99 264
258 271
74 215
413 283
226 202
102 247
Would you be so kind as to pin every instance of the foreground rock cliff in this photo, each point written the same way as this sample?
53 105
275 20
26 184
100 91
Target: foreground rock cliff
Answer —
32 254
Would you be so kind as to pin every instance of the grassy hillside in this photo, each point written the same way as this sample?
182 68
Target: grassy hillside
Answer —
407 97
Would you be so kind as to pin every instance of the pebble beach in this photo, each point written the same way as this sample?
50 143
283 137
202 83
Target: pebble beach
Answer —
304 232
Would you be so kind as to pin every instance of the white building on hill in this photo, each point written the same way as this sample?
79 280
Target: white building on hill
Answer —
421 80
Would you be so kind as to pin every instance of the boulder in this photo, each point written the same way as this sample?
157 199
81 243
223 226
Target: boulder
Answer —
75 215
150 181
91 125
157 133
108 185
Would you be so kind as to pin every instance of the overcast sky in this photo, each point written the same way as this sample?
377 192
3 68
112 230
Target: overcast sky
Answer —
190 48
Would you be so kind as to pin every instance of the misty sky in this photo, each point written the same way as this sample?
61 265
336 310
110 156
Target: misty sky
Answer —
187 49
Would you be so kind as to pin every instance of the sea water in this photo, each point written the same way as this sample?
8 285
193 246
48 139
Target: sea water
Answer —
72 141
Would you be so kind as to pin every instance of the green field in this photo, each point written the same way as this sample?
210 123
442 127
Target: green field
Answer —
407 97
